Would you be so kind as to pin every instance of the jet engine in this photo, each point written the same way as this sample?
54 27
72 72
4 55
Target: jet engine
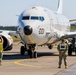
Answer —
7 41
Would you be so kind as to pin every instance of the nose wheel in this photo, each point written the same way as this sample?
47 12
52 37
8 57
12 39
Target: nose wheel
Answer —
33 54
22 50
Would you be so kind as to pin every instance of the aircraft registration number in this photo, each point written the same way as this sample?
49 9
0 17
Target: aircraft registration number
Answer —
41 31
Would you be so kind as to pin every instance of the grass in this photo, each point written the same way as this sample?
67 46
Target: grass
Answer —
16 39
73 28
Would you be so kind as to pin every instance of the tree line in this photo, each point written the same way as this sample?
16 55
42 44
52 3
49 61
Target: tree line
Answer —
73 27
13 28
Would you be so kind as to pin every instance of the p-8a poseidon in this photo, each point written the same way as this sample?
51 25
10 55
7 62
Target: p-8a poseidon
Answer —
41 26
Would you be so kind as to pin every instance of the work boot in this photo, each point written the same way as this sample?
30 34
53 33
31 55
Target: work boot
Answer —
66 67
59 67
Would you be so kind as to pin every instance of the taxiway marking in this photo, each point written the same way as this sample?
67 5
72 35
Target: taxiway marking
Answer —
33 66
28 65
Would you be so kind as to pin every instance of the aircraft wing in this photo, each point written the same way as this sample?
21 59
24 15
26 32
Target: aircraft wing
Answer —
12 33
66 36
72 20
70 35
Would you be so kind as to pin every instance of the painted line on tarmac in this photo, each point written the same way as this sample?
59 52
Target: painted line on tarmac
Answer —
33 66
28 65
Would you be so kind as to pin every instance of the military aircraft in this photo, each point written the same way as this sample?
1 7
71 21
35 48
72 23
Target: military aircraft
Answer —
38 26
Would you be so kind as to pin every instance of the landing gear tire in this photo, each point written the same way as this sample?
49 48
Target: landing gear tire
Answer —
28 52
70 50
22 50
33 54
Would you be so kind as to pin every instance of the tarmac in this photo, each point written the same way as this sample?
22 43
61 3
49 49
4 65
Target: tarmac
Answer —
45 64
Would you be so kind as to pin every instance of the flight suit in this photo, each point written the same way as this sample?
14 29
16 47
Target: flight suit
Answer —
1 50
62 48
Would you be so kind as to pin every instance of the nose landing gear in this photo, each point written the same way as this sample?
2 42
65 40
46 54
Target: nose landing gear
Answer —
30 50
33 54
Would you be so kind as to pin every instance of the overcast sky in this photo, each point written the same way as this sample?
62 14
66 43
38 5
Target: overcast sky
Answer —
10 8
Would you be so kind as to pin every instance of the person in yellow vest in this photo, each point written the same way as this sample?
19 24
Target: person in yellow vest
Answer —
62 48
1 49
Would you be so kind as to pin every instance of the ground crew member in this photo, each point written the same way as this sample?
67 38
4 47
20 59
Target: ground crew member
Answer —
1 49
62 48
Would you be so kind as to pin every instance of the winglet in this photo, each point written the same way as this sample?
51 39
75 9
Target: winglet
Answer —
60 6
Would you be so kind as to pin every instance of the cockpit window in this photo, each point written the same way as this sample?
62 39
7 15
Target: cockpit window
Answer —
25 17
34 17
40 18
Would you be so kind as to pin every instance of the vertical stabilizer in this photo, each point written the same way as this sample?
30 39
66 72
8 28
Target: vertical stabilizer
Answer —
60 6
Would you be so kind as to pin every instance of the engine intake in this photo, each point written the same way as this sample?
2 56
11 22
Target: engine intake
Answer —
6 45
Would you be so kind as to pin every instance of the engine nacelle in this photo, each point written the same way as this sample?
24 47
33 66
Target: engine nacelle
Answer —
7 41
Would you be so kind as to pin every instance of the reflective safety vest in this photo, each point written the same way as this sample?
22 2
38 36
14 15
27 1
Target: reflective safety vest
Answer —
1 47
62 47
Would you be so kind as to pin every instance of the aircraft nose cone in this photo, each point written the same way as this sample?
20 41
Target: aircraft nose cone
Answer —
27 30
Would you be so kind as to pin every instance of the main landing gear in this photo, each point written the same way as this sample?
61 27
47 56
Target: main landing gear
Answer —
30 50
72 47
